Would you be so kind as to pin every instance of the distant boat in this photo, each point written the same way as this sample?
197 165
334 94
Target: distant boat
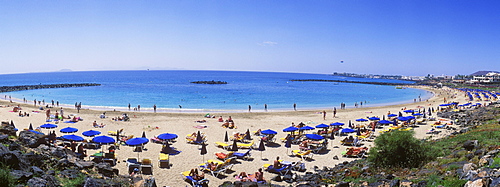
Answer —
399 87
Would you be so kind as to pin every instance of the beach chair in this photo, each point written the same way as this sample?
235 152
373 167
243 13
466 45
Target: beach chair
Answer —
133 163
282 171
245 145
146 166
224 156
222 145
347 142
195 183
355 152
221 167
302 154
243 156
164 161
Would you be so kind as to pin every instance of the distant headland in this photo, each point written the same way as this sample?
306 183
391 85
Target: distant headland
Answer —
344 81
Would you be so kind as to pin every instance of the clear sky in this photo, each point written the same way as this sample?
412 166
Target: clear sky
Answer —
399 37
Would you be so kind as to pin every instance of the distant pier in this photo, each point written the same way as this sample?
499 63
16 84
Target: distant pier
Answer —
344 81
44 86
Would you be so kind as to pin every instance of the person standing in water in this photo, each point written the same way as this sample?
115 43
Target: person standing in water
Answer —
154 108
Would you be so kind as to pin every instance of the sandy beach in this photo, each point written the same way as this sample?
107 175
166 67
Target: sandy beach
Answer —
185 123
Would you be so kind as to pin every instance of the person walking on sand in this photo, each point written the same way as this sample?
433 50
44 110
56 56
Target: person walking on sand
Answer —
129 106
249 108
324 115
295 106
154 108
138 107
265 107
334 112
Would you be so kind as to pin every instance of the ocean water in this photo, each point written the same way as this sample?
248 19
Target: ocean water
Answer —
169 89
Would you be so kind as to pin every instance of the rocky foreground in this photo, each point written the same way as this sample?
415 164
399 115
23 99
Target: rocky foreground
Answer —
472 159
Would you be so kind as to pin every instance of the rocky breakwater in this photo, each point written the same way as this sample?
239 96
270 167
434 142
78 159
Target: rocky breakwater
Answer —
44 86
31 161
209 82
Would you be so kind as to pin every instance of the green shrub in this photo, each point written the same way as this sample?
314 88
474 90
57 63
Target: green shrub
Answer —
77 182
399 149
5 178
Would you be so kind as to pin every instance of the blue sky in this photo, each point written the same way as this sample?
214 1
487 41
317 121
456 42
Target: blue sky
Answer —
406 37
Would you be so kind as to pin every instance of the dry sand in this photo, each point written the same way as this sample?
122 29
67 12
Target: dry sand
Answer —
183 124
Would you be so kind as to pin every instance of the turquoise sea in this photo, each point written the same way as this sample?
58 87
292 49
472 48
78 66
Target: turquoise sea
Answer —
171 89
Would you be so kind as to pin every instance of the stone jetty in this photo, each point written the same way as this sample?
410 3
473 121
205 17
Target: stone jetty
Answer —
44 86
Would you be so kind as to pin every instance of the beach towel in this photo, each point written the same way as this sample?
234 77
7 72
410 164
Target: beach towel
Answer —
200 126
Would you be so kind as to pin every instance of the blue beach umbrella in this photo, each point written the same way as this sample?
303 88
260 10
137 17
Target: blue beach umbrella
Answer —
314 137
103 139
306 128
136 141
322 126
392 115
417 114
385 122
361 120
167 136
347 130
290 129
48 126
268 131
72 137
91 133
336 124
405 118
36 132
408 111
373 118
69 130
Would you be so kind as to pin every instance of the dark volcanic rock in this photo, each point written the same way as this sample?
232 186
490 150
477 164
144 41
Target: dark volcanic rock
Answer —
469 145
21 176
31 139
37 182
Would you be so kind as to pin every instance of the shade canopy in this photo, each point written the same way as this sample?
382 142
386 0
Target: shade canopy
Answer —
336 124
417 114
322 126
304 128
167 136
103 139
72 137
48 126
361 120
91 133
69 130
385 122
373 118
347 130
314 137
290 129
408 111
392 115
268 131
136 141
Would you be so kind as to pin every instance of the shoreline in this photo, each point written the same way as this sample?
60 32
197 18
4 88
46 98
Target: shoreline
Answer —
154 124
189 110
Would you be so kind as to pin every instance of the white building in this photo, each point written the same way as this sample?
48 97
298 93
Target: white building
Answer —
488 78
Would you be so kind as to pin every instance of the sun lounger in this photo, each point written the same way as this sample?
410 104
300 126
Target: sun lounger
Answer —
282 171
355 152
221 167
222 145
302 154
224 156
195 183
164 161
243 156
245 145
